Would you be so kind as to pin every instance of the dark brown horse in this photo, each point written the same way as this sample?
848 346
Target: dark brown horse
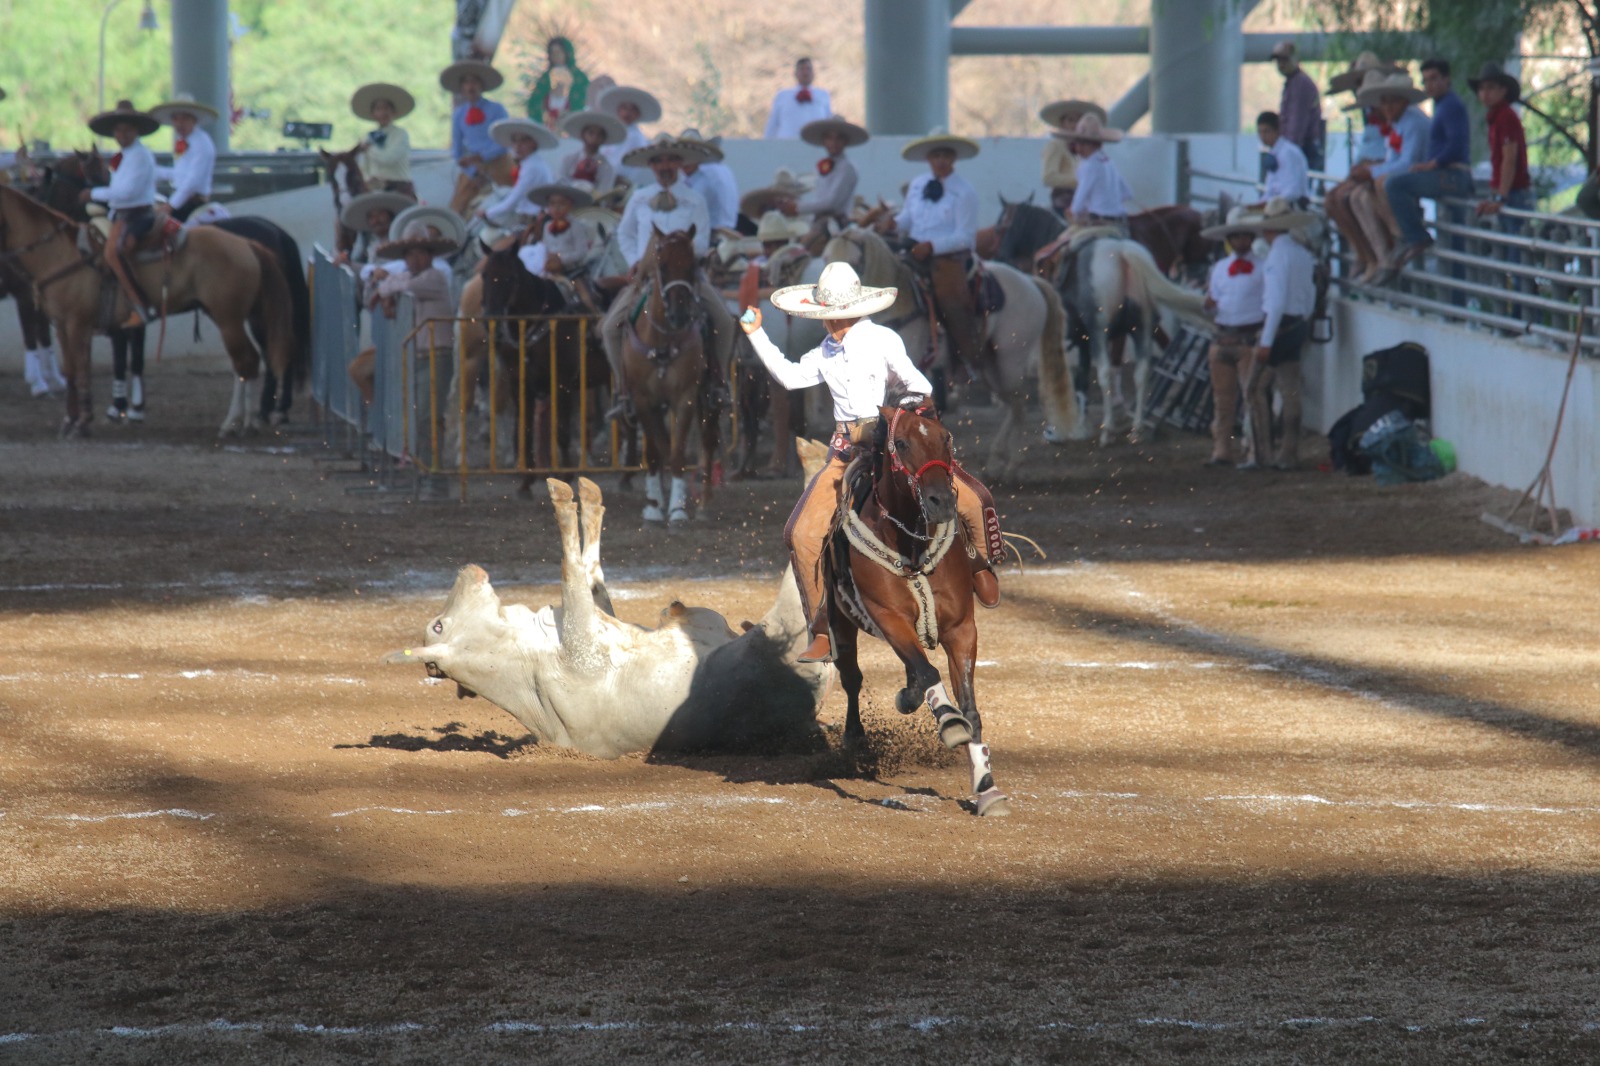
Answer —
898 570
347 181
1170 233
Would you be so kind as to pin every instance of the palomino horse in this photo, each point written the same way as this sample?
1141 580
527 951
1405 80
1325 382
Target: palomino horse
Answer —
898 570
1171 234
663 362
231 279
1025 334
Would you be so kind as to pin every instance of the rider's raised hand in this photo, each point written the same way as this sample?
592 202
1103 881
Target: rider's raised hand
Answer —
750 321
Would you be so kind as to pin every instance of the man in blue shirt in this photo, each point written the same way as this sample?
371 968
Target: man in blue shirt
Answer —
1446 172
480 158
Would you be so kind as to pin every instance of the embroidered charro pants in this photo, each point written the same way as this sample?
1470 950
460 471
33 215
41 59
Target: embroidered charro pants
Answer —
1230 356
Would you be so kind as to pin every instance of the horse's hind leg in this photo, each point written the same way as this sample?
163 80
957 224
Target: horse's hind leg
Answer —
846 639
1108 386
961 649
242 415
1143 349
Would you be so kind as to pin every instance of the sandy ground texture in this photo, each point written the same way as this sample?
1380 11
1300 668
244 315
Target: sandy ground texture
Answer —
1304 769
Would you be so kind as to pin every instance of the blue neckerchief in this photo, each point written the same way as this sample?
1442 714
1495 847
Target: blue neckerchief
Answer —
831 347
933 192
378 137
1269 162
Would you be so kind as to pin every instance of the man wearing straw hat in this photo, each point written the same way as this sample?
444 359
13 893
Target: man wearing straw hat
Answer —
1369 151
1059 171
782 195
835 191
595 129
479 156
940 218
371 214
1405 145
387 149
194 154
631 105
1233 299
713 180
131 195
524 137
1102 195
864 366
1288 296
565 243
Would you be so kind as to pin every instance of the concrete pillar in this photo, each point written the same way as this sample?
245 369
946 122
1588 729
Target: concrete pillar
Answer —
200 58
908 65
1196 50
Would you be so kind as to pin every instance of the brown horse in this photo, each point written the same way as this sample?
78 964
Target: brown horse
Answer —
663 362
229 278
1170 233
898 570
347 182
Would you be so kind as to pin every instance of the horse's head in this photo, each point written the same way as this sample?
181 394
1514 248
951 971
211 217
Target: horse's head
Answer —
918 459
1027 229
344 173
846 247
676 277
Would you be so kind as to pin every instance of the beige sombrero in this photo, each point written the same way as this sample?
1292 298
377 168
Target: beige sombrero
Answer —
1240 220
813 132
712 145
614 97
775 226
1060 111
446 221
354 213
757 202
1351 80
917 151
1090 128
506 129
666 144
573 125
1279 216
1374 89
838 293
106 121
580 193
180 104
361 103
413 238
451 76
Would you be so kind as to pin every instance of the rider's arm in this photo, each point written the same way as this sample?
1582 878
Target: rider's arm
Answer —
902 220
790 375
137 171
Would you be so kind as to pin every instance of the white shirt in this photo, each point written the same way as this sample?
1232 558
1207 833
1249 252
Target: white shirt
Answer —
835 191
951 225
531 174
633 232
874 357
788 115
133 183
605 175
1101 190
1289 180
635 138
1238 296
1291 286
573 246
190 173
716 183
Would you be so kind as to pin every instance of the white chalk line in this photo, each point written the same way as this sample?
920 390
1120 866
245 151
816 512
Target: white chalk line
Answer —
1309 799
925 1026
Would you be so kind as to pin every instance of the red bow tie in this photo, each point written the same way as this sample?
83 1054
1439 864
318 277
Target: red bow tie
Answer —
803 96
558 226
587 169
115 161
825 167
516 172
1240 266
475 115
181 147
1393 136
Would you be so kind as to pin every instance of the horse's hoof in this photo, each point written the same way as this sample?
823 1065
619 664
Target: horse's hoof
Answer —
652 513
678 516
994 804
276 419
954 730
908 701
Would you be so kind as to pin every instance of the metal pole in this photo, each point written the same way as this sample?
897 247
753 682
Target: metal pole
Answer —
200 60
908 65
105 18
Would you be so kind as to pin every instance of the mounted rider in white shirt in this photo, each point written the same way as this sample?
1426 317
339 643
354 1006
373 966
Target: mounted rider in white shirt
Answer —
131 195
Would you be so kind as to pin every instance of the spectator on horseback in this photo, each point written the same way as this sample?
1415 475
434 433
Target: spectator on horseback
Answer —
131 195
566 243
1283 161
631 106
833 198
387 149
1300 105
1060 166
194 154
940 218
1102 196
562 89
524 137
1234 301
1288 296
595 130
864 365
793 108
480 158
713 180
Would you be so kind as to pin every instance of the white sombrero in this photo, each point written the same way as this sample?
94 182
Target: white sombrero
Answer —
1240 220
917 151
573 125
181 104
757 202
666 144
1354 78
506 129
451 76
614 97
415 237
446 221
580 193
1374 89
775 226
838 293
1089 128
1275 216
813 132
1054 114
354 214
361 103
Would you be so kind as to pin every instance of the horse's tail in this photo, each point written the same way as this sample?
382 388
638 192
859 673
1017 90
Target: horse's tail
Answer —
1185 303
274 308
1055 379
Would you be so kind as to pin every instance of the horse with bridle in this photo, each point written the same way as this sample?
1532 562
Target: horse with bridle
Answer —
347 182
1170 233
897 569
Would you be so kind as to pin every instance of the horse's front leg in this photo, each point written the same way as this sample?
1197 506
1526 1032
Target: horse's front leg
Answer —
75 339
683 421
654 430
923 685
961 651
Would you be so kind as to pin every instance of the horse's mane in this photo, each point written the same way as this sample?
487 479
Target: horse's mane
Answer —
1031 228
38 207
881 266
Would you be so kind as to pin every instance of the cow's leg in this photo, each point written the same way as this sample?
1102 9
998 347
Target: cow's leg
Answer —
592 511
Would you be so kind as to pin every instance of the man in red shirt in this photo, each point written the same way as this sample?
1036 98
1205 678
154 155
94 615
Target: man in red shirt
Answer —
1509 185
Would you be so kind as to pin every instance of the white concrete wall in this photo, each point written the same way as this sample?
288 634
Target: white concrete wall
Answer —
1494 399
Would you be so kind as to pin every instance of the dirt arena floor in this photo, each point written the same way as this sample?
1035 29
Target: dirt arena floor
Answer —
1304 769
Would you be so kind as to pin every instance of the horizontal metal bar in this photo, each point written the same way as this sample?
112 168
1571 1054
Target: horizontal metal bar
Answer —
1517 240
1448 311
1049 40
1521 270
1474 288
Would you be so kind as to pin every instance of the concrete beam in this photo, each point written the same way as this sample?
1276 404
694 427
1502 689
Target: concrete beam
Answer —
1049 40
1133 106
200 59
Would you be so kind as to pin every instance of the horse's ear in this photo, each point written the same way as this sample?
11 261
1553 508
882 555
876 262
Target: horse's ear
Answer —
1030 196
691 231
1004 203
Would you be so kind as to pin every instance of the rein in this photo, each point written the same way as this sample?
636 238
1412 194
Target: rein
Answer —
57 229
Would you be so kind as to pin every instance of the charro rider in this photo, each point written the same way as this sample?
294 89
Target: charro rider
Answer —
595 129
835 192
862 363
479 156
940 218
1103 195
525 138
131 194
1059 169
387 149
194 155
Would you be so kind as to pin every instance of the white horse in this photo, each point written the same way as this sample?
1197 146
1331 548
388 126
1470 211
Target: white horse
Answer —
1027 336
1114 294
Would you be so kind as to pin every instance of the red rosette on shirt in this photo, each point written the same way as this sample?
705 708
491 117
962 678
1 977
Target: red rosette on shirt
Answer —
803 96
825 167
180 147
1240 266
475 115
558 227
115 161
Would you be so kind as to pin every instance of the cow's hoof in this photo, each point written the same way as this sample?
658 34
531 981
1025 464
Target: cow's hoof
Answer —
993 804
653 513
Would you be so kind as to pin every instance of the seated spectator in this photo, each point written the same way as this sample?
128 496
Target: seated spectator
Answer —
479 158
524 137
1445 172
430 294
596 130
1405 131
1370 150
1284 162
1509 182
631 106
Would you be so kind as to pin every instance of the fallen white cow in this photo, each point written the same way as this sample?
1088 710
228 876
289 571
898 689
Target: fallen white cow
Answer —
577 676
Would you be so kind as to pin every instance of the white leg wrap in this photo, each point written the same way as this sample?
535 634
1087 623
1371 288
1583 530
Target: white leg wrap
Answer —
31 372
678 506
136 390
938 698
982 772
652 499
50 369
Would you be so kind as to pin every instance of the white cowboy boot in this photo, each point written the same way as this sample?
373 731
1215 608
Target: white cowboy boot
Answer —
34 374
118 411
50 370
136 398
678 507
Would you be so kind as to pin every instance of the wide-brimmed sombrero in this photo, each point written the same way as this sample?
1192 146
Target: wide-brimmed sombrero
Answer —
506 129
1240 220
361 103
415 237
574 124
917 151
712 145
838 293
813 132
580 193
775 226
666 144
758 202
106 121
451 76
1350 80
1090 128
354 213
1492 72
1279 216
614 97
1054 114
446 221
1374 89
181 104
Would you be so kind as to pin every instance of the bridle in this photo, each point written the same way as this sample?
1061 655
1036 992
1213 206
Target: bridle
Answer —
913 477
13 256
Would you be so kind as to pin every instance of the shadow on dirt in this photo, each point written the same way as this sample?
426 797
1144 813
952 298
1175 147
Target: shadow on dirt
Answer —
450 737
